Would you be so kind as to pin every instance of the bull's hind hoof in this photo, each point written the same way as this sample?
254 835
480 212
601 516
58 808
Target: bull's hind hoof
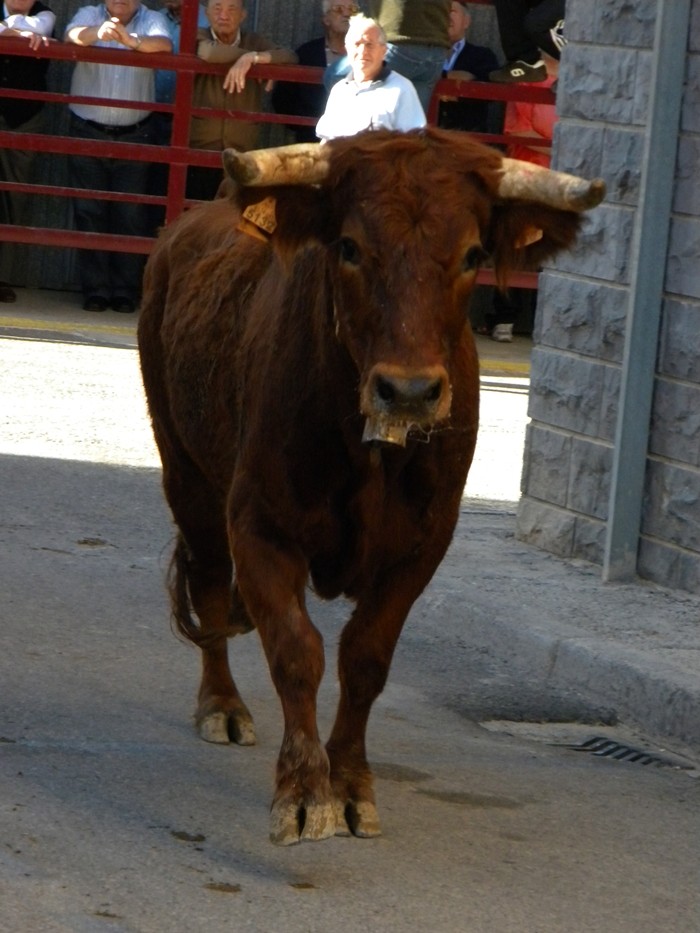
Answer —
357 818
224 728
291 823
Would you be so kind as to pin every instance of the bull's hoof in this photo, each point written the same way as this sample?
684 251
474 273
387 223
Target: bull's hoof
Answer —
291 822
223 728
357 818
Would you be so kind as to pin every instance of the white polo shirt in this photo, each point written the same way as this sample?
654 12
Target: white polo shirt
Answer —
389 102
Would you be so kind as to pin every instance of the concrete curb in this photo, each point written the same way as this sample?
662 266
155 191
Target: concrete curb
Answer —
631 649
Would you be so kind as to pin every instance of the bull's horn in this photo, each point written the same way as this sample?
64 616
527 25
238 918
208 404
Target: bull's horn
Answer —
535 183
300 164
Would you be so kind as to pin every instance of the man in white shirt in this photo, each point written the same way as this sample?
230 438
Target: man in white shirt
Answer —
31 20
372 97
111 278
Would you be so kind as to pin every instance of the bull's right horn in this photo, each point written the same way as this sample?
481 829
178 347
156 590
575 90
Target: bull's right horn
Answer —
532 182
299 164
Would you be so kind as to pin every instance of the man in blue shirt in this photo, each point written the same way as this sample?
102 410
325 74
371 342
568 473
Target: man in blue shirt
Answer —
111 278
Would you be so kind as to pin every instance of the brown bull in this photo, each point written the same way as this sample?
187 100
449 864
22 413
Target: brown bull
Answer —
313 384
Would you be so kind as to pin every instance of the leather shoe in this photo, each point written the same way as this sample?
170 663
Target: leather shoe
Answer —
123 305
7 294
95 303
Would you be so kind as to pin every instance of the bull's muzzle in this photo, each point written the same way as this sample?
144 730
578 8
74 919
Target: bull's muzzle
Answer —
396 399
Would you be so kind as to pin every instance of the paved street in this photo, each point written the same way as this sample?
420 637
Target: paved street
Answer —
114 816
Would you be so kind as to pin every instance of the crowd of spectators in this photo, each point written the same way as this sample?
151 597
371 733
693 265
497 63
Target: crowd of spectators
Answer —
382 59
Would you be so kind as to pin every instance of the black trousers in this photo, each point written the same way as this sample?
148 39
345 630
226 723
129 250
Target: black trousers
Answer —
524 27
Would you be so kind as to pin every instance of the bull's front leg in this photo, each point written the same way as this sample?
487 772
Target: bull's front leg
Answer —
272 583
366 649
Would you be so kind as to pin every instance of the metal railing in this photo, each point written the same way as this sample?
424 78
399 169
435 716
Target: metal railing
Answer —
178 155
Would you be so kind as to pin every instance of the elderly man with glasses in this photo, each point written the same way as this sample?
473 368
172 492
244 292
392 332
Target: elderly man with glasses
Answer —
309 100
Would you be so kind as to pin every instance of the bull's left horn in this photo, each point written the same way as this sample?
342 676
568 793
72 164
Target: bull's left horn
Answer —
531 182
300 164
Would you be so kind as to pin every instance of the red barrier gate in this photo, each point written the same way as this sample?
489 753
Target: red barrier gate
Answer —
178 155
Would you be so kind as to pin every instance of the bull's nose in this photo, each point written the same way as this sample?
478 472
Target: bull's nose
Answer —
413 396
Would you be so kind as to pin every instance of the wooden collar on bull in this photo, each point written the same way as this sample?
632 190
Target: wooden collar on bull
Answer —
259 220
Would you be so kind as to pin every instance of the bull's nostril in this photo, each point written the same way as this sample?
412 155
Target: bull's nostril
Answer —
434 392
385 390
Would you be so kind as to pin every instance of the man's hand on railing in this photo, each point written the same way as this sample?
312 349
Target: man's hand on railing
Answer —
236 75
35 40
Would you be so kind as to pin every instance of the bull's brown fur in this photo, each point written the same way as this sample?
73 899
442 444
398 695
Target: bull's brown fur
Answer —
257 359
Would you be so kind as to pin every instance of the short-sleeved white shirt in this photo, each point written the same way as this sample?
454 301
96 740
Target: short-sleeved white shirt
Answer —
122 82
389 102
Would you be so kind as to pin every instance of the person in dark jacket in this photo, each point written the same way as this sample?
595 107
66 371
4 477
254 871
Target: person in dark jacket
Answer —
309 100
465 62
31 20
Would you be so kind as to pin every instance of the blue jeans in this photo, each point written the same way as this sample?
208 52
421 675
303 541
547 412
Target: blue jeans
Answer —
104 273
421 64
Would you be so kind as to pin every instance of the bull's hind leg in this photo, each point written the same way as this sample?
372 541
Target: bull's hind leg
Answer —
201 578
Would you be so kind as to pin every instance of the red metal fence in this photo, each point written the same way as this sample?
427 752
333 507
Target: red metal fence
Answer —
178 155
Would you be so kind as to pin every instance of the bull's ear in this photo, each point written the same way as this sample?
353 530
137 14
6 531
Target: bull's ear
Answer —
524 234
292 214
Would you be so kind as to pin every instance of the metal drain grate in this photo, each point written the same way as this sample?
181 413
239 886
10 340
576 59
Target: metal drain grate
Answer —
603 747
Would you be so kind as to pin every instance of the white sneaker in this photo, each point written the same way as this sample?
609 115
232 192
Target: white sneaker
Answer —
557 34
503 333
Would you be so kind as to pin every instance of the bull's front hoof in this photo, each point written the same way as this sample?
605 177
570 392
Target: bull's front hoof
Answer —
357 818
224 728
292 822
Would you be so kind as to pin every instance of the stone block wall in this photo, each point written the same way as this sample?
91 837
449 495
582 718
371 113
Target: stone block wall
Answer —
582 307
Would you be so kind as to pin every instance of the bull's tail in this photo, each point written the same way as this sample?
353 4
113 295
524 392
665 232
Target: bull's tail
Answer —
184 622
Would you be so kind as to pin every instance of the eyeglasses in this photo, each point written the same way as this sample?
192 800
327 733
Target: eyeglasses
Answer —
345 10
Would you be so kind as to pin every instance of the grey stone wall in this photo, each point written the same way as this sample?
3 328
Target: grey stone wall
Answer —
582 307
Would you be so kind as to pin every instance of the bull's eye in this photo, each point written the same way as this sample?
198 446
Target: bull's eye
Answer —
473 258
349 250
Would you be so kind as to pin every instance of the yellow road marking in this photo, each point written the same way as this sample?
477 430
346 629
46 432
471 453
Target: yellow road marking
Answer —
504 366
22 323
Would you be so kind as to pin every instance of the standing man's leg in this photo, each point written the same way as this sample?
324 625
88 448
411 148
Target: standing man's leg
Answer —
523 61
91 216
421 64
131 219
16 166
517 44
539 23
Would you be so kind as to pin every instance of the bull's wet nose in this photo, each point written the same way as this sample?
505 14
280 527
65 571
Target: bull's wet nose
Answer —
409 396
408 391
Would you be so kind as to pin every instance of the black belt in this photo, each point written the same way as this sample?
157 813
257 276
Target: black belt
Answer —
115 130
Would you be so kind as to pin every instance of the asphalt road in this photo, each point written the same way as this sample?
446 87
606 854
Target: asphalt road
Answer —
114 816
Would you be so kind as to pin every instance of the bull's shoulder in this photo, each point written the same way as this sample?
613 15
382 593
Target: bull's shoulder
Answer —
196 259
